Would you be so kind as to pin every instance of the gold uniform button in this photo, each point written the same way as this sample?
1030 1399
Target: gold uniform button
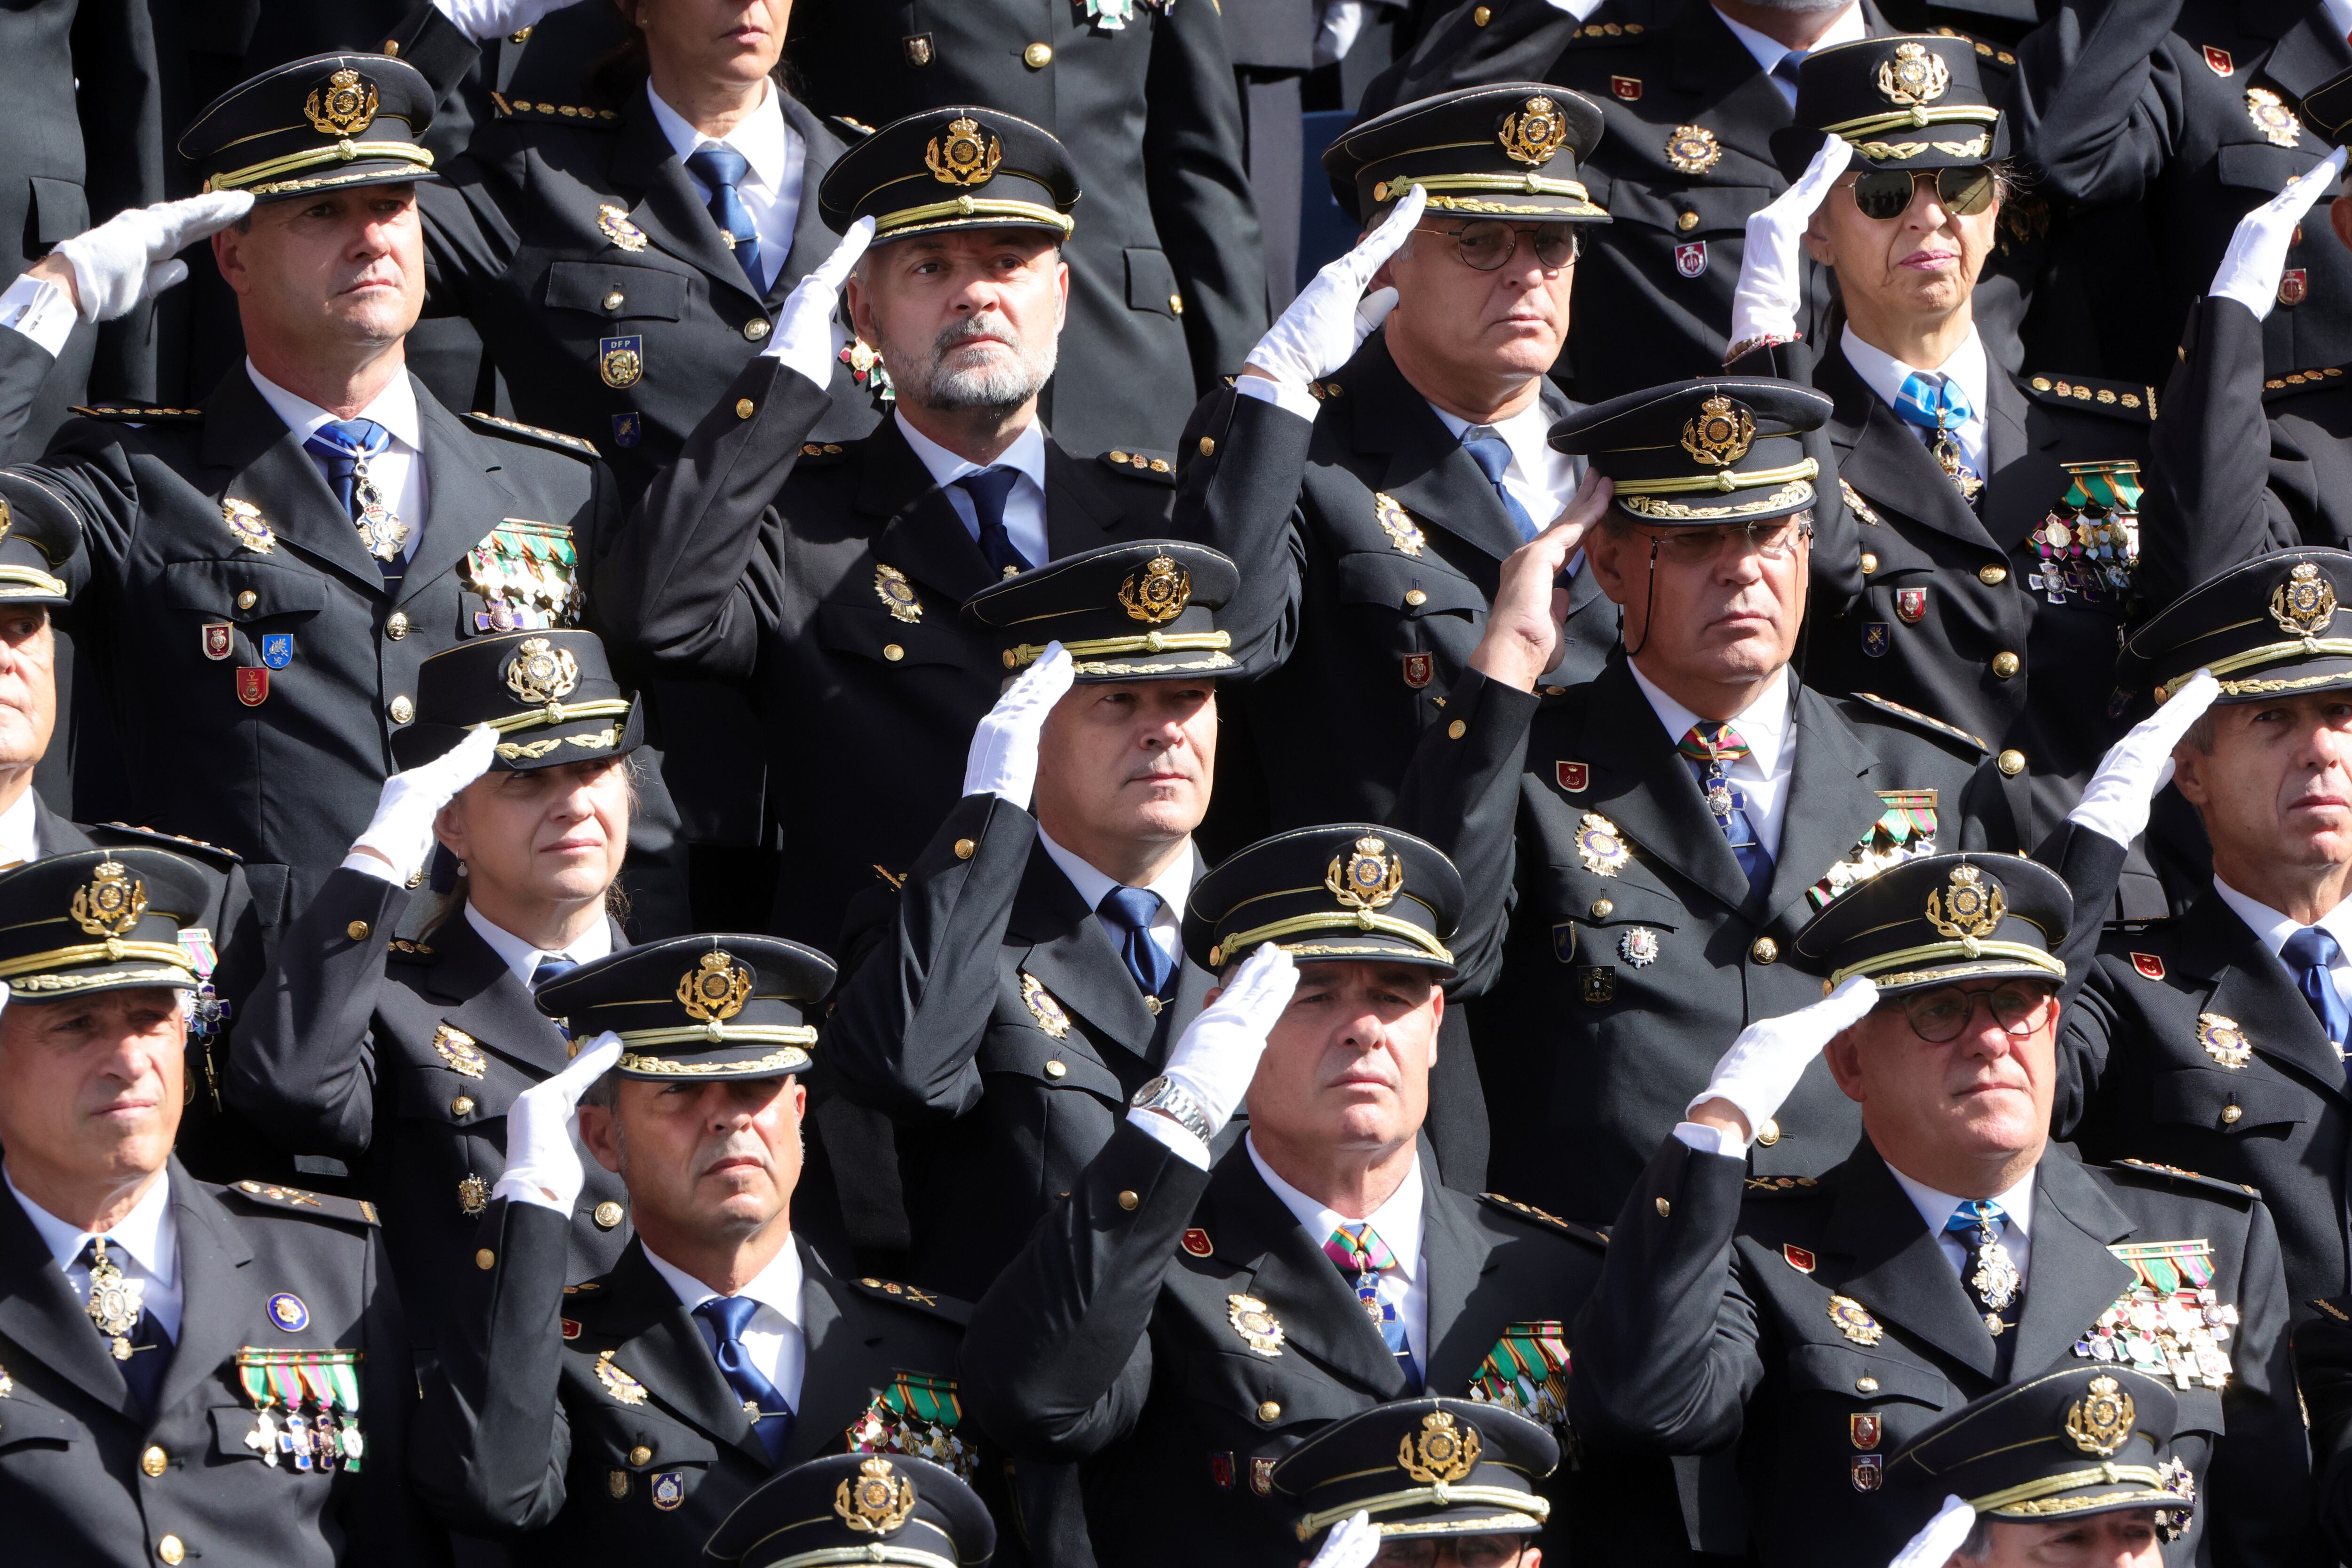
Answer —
1208 445
608 1214
1458 729
2004 665
2230 1113
1765 950
1127 1200
2012 763
1866 1384
641 1455
1152 1005
1415 596
1769 1133
248 599
395 626
614 300
1686 221
756 328
893 652
1869 563
1481 16
402 710
1555 691
153 1460
357 930
1037 57
1057 1069
1175 305
1269 1412
745 407
486 1258
463 1105
171 1548
1666 1210
1993 576
964 847
1601 908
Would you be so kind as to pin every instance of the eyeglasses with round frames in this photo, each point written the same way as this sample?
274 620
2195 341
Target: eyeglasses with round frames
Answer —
1487 245
2019 1006
1774 541
1461 1550
1884 194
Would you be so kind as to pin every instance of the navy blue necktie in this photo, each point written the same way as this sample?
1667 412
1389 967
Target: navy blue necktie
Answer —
723 1320
1990 1277
150 1347
338 448
1493 455
552 966
988 489
2309 953
1132 910
721 168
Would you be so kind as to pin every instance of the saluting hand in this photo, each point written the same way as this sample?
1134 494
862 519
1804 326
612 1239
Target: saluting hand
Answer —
2251 268
1216 1056
482 20
128 258
1003 760
1524 634
400 834
804 338
2115 803
1939 1538
1352 1543
543 1129
1331 317
1761 1068
1772 262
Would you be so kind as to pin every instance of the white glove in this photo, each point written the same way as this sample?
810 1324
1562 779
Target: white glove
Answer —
1764 1063
482 20
543 1164
2114 803
1939 1538
1003 760
1324 326
1216 1056
1337 23
1352 1543
128 258
1772 262
400 832
805 337
2250 268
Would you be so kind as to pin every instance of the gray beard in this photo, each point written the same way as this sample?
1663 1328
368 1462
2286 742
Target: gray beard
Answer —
997 389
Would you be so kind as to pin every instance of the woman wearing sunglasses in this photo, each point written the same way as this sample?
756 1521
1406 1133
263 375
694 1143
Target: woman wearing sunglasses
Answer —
1980 569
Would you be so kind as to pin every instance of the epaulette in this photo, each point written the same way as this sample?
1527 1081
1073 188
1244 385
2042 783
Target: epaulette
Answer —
1782 1183
1608 33
1325 390
853 130
1949 731
177 842
294 1201
1141 464
2295 381
953 1308
818 453
1530 1211
1992 52
136 413
2332 1309
586 1287
2173 1176
524 108
2133 401
494 425
401 947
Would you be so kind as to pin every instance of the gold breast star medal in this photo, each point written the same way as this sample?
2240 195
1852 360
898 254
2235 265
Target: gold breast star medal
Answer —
1995 1278
382 533
1257 1325
114 1302
623 1389
1854 1321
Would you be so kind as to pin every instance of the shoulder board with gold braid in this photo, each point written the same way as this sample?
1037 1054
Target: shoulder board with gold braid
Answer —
1613 27
271 1197
953 1308
2133 401
402 948
136 413
2296 382
1529 1212
848 130
1992 52
124 833
528 110
2333 1309
492 425
1138 464
820 453
1913 715
2154 1174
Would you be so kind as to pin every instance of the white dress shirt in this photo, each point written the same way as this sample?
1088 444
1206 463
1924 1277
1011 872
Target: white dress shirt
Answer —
1173 885
1397 1222
1762 776
770 186
1884 374
18 838
1770 52
1936 1208
1539 479
1024 504
773 1340
397 472
145 1245
523 958
2273 929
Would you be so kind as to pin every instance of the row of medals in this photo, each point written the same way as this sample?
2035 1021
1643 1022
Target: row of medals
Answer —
2178 1335
309 1442
2090 553
529 598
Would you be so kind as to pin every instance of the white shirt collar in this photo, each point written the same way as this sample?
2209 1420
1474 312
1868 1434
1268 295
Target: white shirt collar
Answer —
1528 434
1026 455
1397 1221
777 1286
1884 374
2274 928
20 840
523 958
1762 724
761 136
146 1232
394 408
1935 1208
1768 51
1173 885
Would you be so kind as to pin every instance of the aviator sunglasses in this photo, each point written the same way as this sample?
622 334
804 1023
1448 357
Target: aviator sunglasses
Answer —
1884 193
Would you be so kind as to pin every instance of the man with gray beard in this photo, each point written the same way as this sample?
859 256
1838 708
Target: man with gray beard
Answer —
828 578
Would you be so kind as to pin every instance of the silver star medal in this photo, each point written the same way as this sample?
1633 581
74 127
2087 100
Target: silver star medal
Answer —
1996 1281
262 1438
114 1303
382 533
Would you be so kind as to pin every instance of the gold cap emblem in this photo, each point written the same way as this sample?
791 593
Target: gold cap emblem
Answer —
111 903
343 106
877 1501
963 161
1439 1452
1914 76
716 988
2101 1421
1158 594
1533 134
1966 906
541 673
1720 434
1366 879
2306 602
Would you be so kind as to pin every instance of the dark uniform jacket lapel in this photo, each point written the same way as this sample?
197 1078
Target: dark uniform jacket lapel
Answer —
1884 458
1455 1255
1073 958
919 532
848 1364
1832 805
261 462
221 1305
1706 54
485 999
2074 1276
2253 989
2012 510
811 241
2309 50
668 208
1078 503
465 501
55 835
40 1312
1427 472
665 1351
1899 1270
1641 784
1288 1270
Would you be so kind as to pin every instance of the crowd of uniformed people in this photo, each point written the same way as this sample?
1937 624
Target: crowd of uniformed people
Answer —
1115 783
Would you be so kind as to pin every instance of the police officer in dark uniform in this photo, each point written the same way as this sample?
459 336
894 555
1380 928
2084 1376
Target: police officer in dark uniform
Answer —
859 1508
189 1371
1167 275
401 1057
826 577
1180 1324
1822 1324
1993 514
275 572
2322 1364
1455 1470
620 1419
